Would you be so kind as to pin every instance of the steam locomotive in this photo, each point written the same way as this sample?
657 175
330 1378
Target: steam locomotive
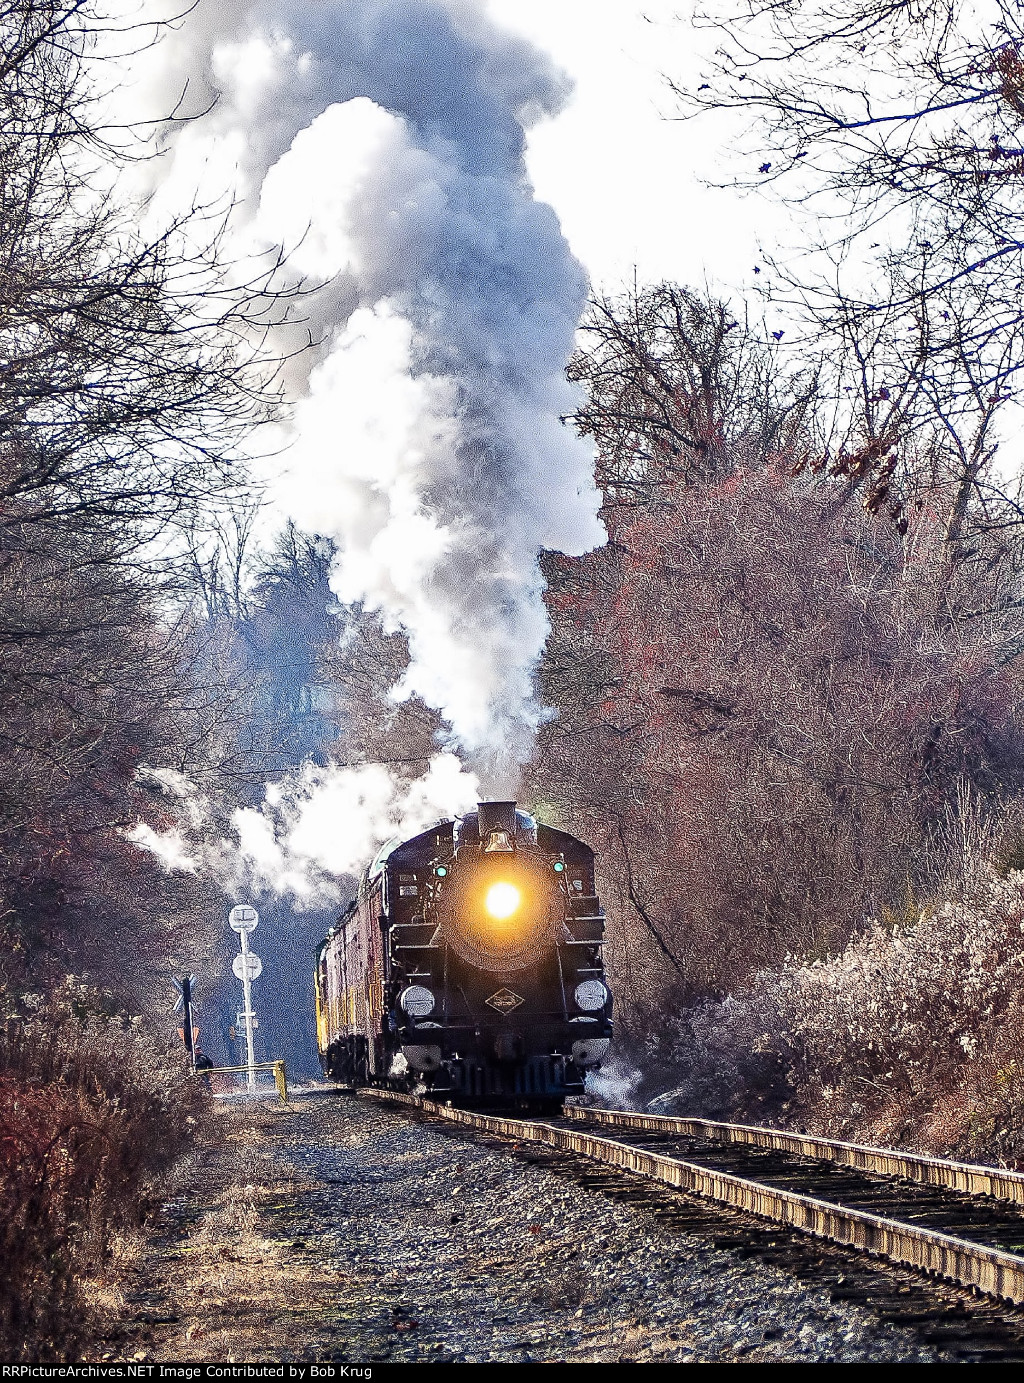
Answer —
469 965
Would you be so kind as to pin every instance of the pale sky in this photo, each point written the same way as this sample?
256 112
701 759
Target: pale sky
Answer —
625 179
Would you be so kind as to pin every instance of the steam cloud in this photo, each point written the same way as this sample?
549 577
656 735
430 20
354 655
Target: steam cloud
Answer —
380 143
314 828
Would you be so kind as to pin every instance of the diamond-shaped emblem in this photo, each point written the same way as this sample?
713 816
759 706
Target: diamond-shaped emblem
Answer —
505 1000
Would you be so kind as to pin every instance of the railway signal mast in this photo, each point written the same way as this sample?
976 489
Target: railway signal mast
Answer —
247 967
184 1004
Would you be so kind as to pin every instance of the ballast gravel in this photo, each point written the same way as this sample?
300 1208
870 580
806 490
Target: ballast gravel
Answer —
342 1230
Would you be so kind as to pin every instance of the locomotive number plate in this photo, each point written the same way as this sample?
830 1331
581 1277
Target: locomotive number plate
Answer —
504 1001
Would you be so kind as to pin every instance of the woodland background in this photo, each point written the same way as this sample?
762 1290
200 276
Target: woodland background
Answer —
787 691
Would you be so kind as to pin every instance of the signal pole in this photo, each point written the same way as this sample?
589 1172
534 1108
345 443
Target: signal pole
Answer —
247 967
183 1004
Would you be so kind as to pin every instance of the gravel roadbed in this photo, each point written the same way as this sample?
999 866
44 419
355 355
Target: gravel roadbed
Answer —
339 1229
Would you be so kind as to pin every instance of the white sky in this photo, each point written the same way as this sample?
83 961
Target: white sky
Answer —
624 179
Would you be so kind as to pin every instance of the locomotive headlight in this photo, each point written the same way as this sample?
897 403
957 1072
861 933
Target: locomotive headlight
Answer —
499 913
416 1000
591 995
502 900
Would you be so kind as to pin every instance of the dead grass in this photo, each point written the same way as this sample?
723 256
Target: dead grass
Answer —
225 1289
913 1035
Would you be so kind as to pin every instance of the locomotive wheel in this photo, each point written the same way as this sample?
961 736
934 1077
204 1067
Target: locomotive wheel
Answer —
360 1064
329 1061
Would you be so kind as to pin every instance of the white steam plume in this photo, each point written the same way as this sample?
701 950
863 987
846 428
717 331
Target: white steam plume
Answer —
315 827
380 142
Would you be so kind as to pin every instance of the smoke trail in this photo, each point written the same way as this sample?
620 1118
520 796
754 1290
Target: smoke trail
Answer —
315 827
381 143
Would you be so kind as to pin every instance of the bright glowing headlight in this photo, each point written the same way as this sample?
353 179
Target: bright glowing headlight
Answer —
416 1000
591 995
502 900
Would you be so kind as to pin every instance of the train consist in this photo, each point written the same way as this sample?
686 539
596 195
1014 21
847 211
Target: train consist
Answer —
469 964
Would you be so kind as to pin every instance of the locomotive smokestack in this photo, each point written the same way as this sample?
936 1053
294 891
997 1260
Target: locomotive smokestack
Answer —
497 824
496 816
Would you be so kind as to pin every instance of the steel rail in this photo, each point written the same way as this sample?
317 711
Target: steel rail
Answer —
989 1270
930 1171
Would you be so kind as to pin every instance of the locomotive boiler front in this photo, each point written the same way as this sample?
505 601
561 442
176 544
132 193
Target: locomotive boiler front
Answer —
522 1004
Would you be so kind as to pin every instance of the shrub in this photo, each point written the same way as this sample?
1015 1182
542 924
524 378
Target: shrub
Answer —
913 1033
92 1112
761 725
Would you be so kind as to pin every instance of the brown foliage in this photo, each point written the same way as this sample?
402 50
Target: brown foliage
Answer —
125 388
776 676
127 385
912 1035
92 685
91 1114
759 716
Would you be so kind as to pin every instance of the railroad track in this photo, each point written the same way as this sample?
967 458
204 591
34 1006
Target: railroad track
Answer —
957 1222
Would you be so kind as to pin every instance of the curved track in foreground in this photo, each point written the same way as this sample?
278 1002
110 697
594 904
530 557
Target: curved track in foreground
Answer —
953 1220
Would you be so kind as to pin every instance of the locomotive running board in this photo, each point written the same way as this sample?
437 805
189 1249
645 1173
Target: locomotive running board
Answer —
989 1270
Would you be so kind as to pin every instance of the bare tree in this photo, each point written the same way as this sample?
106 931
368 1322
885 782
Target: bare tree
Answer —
678 388
767 721
893 126
131 367
766 695
132 372
877 111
